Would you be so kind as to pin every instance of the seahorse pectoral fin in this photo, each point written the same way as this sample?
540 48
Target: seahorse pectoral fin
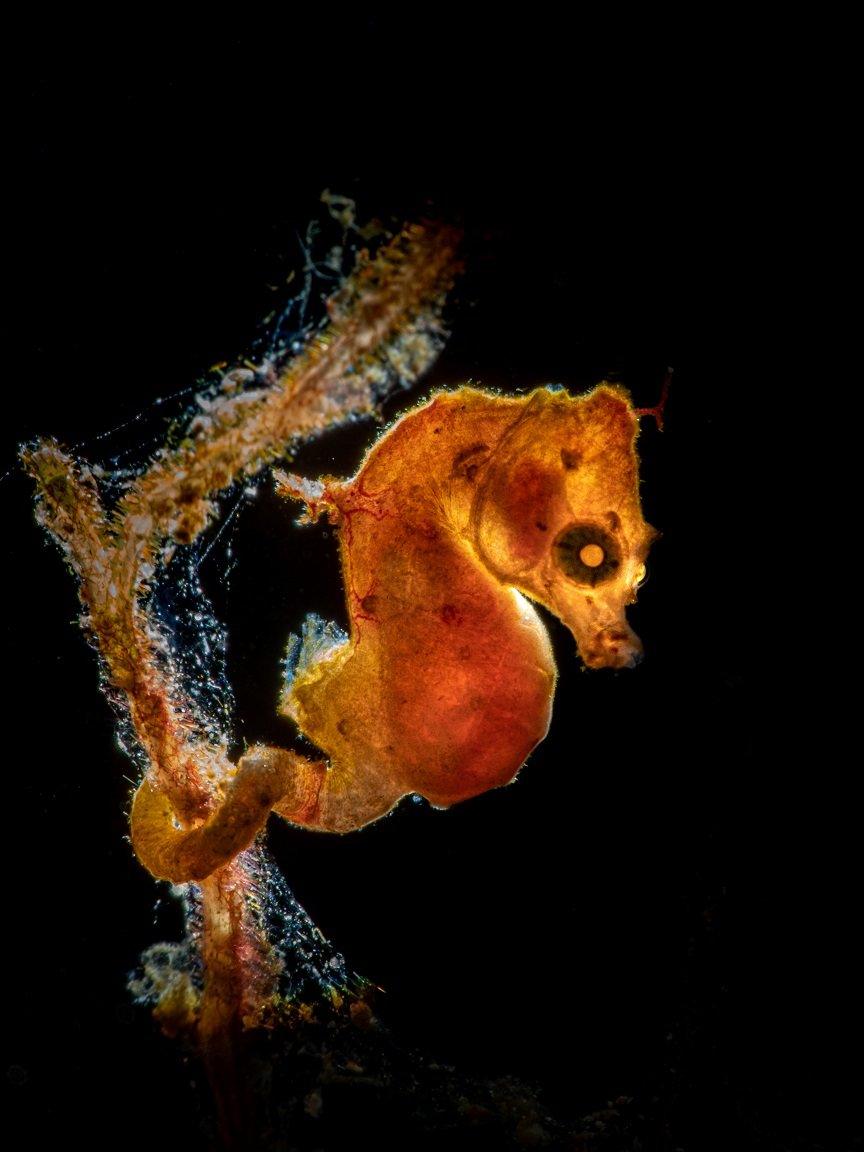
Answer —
318 644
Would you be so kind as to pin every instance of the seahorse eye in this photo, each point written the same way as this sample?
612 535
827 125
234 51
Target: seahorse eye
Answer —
587 554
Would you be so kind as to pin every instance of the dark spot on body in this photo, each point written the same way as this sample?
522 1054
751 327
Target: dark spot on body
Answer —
342 727
449 613
541 526
466 463
614 520
571 459
466 454
369 604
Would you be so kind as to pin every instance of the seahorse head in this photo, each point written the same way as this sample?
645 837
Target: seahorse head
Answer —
558 516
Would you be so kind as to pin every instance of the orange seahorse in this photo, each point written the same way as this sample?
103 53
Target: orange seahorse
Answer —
466 509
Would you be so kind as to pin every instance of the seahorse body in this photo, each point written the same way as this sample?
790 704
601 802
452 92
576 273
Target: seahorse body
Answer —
465 507
444 684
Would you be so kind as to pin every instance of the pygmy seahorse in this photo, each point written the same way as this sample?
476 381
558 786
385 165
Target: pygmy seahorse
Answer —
469 507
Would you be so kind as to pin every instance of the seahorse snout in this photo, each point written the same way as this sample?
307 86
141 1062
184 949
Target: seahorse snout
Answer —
615 647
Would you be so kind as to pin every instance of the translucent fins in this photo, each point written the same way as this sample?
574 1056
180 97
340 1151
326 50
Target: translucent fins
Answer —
317 642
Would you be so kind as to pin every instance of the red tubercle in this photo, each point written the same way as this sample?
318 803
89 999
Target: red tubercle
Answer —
659 408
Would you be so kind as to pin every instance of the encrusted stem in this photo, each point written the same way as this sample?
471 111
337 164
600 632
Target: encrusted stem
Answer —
384 321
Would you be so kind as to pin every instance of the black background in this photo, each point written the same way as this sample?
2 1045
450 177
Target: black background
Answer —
662 906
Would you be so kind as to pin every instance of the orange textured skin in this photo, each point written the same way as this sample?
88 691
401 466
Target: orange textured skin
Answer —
467 506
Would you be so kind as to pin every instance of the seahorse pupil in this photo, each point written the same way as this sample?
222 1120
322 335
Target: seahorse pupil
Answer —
592 555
